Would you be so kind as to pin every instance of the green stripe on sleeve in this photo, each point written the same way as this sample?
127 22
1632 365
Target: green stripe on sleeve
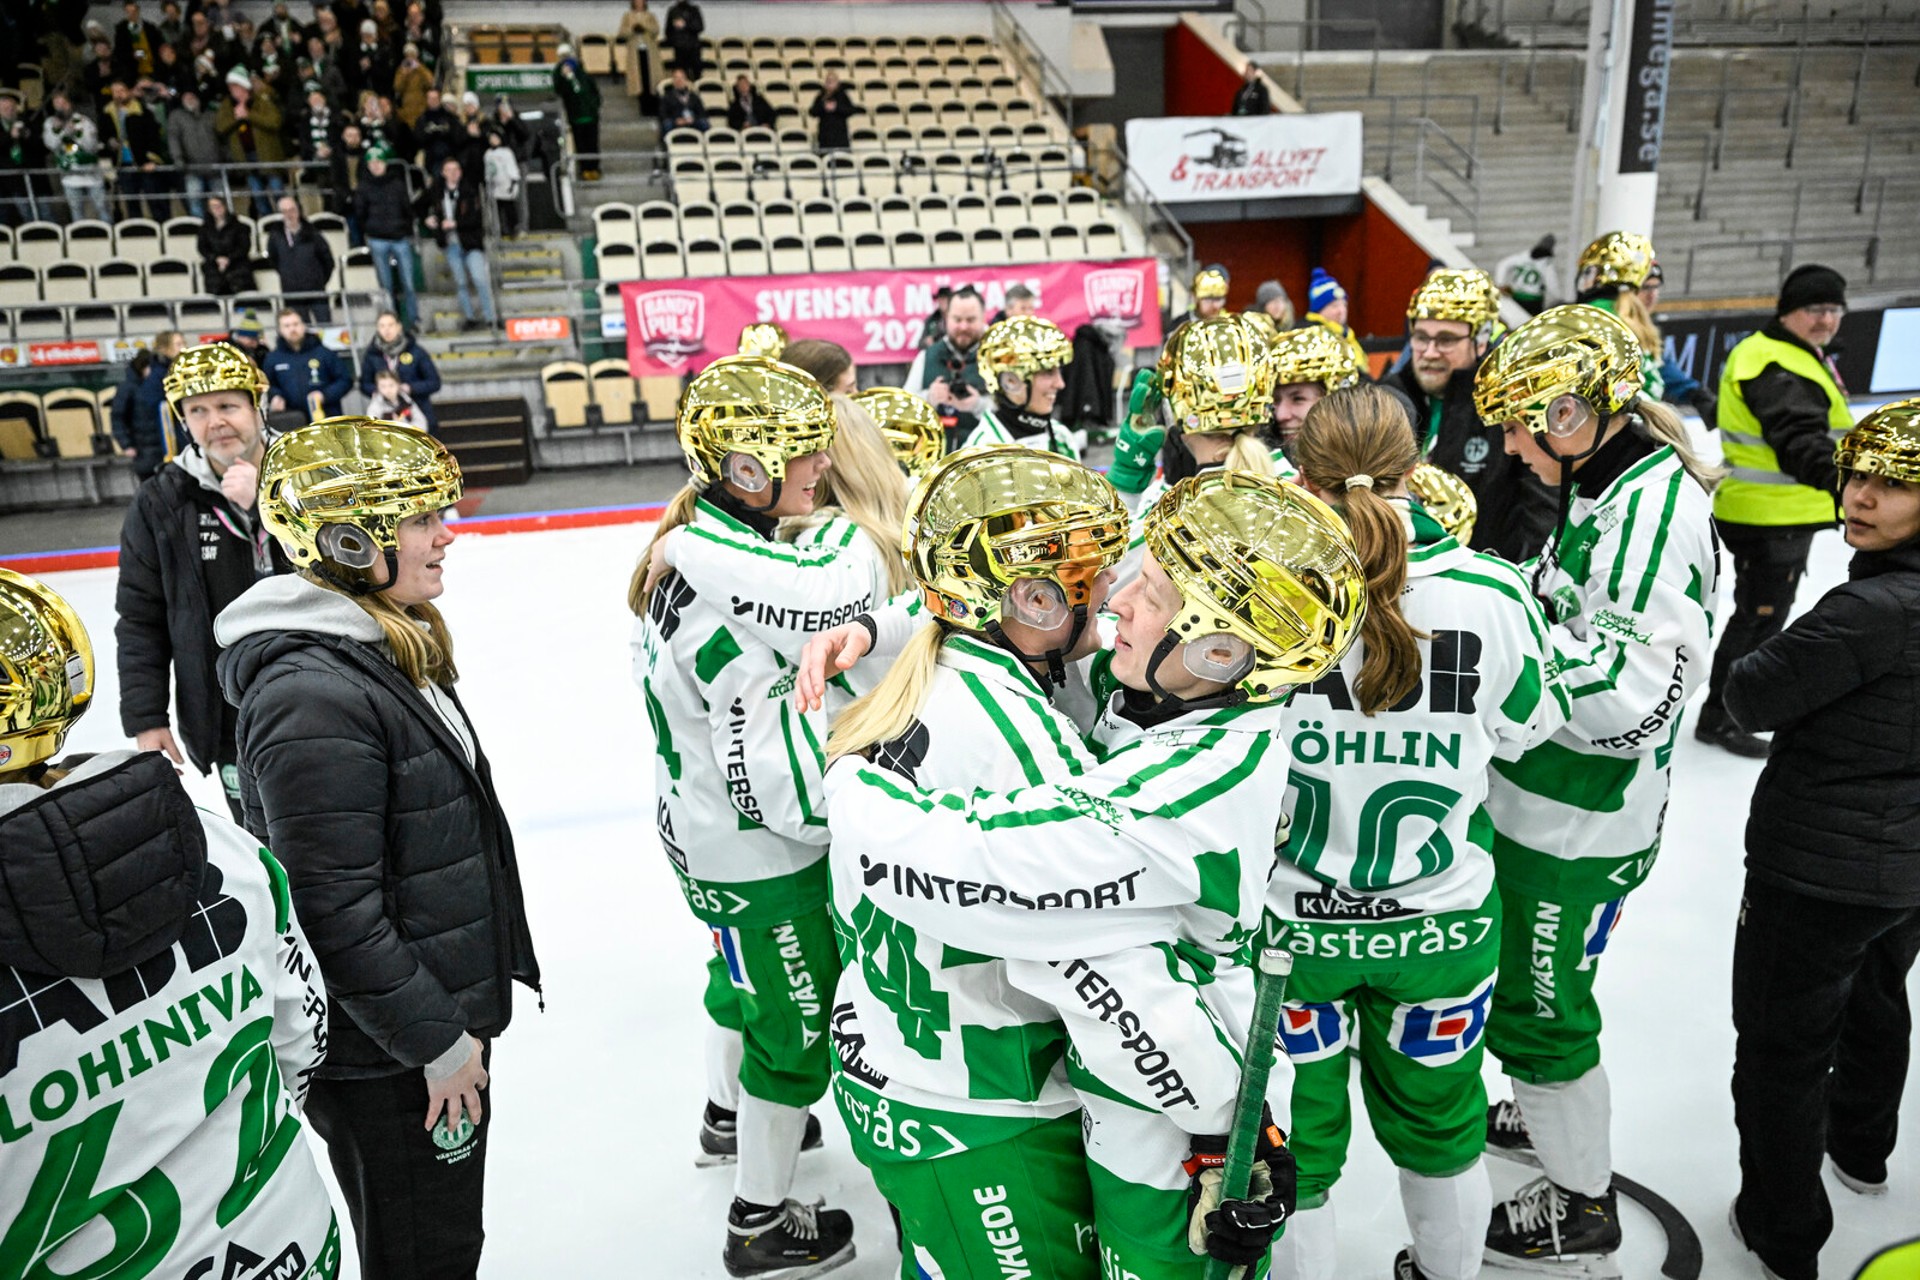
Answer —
1659 541
1028 765
1626 544
720 649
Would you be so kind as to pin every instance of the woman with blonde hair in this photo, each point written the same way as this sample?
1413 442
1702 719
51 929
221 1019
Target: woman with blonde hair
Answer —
1386 886
360 768
1612 271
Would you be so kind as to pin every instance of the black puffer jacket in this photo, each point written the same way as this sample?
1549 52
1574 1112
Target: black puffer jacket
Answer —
1836 814
401 862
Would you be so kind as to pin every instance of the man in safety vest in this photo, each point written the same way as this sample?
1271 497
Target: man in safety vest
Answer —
1782 409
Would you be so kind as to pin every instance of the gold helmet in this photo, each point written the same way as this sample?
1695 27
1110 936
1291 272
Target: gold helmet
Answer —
1264 561
763 338
334 493
1315 353
1468 296
46 671
769 411
1210 282
910 424
1447 498
1217 375
1885 443
1024 345
1572 350
984 517
215 366
1621 258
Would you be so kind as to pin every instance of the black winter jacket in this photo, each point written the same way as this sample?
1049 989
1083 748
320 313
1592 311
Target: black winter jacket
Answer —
1516 510
401 862
1836 814
181 563
382 207
304 262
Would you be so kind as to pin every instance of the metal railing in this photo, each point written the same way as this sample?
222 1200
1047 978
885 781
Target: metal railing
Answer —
1866 159
1418 107
44 200
1032 62
1787 246
1239 25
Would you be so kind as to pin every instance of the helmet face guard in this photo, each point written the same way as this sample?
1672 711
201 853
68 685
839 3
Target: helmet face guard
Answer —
1573 350
46 671
1218 375
754 406
1885 443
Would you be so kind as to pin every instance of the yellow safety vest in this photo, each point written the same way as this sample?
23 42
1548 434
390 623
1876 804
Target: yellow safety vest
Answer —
1895 1262
1756 491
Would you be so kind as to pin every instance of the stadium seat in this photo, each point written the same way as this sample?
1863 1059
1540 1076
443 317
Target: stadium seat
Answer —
788 256
865 138
6 243
39 243
951 173
1009 209
759 140
779 218
333 227
660 396
614 390
103 400
871 252
72 420
20 419
137 239
266 280
722 143
1044 207
897 215
67 281
858 214
730 178
118 280
699 220
356 271
89 241
40 324
911 249
1053 169
139 319
691 180
615 224
199 316
747 256
596 54
990 246
933 213
971 212
951 248
819 217
805 178
101 320
656 220
19 284
682 143
915 174
1103 241
879 178
830 253
179 237
739 218
1064 242
1081 205
661 261
706 257
171 278
566 390
1027 244
1002 137
618 261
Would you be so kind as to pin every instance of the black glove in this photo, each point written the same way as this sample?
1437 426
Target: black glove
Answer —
1707 405
1239 1231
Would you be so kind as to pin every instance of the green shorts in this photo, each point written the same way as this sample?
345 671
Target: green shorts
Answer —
774 984
1546 1021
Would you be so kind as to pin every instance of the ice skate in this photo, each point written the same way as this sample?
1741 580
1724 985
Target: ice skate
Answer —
1548 1230
788 1242
1507 1134
720 1139
1404 1267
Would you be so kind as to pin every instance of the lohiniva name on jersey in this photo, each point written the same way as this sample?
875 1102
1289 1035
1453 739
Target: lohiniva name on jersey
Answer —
773 615
908 882
1153 1063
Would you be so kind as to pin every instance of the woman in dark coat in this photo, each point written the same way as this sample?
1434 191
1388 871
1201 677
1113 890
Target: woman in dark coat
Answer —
1830 917
359 765
831 108
226 249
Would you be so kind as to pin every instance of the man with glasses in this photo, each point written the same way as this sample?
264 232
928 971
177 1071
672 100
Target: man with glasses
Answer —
1782 408
1450 321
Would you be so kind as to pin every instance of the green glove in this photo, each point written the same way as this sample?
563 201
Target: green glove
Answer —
1138 448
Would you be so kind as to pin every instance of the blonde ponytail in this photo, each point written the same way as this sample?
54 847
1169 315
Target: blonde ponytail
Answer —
884 713
1633 313
864 482
1249 453
1362 432
416 635
679 511
1664 424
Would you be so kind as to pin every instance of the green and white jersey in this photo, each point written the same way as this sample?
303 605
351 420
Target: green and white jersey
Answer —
1629 589
736 765
150 1120
1123 895
1389 860
924 1019
990 430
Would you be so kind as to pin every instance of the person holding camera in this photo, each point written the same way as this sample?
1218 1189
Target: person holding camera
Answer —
957 385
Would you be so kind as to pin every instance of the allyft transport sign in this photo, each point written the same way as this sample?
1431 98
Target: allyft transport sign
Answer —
1185 159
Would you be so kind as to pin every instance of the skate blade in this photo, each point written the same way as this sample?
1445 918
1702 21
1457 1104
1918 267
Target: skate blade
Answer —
714 1159
819 1268
1519 1155
1589 1266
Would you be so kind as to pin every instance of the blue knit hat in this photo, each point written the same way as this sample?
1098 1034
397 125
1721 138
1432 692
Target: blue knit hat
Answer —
248 326
1323 291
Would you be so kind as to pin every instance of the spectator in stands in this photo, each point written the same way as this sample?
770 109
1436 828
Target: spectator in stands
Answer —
226 247
173 27
680 105
830 364
934 327
1209 293
418 30
434 132
122 417
954 361
580 103
74 144
290 34
146 416
1020 301
20 154
317 129
747 108
136 44
685 23
370 67
132 137
324 71
1529 278
391 403
250 336
1327 305
1272 301
832 107
503 183
394 350
346 163
411 84
641 30
1252 98
194 147
304 375
381 128
174 75
302 257
451 209
385 23
191 544
98 76
249 125
384 212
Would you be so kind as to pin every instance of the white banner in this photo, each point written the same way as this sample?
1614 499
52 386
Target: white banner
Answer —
1190 158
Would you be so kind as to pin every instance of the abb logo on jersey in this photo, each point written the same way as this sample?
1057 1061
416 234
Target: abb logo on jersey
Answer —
1437 1032
1312 1032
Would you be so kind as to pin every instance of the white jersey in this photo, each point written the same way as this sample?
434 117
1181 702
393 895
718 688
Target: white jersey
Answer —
1529 278
736 765
1389 860
990 430
1629 586
149 1120
1142 502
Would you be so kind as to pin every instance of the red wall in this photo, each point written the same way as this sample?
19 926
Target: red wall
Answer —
1198 82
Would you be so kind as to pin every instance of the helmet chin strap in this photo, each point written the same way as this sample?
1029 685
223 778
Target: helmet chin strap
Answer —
1055 676
1231 696
355 584
1564 492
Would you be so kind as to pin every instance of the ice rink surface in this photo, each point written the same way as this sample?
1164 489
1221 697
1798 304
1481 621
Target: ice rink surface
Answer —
598 1099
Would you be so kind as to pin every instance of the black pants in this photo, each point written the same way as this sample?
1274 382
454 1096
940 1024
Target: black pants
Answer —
1820 1058
586 142
1768 564
416 1207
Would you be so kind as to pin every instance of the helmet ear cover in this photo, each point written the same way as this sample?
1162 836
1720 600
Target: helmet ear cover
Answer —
1037 603
747 472
1015 387
1224 658
1567 414
347 545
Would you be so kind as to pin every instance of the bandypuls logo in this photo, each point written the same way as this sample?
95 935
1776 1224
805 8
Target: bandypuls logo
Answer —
1116 293
673 323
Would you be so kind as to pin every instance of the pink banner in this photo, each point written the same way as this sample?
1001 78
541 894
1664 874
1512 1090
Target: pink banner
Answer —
681 326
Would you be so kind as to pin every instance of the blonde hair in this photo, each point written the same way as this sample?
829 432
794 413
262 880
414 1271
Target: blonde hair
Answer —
678 511
416 634
1363 431
864 483
1249 453
1634 314
1664 424
883 713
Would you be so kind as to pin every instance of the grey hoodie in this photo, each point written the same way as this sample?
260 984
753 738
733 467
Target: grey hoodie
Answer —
191 139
